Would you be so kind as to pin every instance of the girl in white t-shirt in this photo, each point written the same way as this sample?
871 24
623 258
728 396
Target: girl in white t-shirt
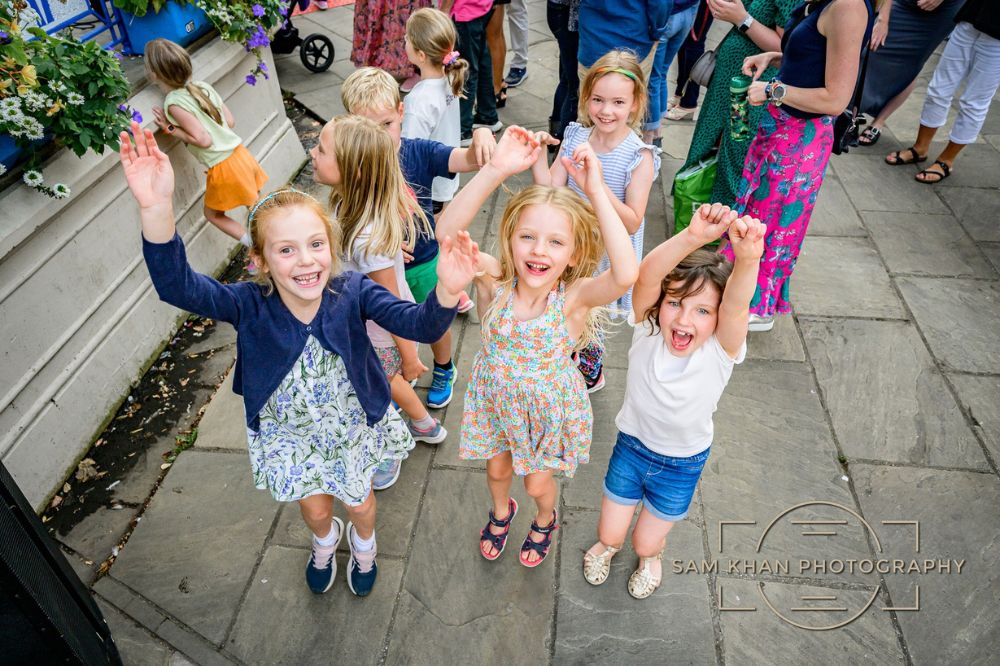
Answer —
690 309
431 110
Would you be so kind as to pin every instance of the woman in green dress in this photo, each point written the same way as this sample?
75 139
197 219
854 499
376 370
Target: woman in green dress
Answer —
757 28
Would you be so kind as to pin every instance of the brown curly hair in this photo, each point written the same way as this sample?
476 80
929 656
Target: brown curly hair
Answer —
700 268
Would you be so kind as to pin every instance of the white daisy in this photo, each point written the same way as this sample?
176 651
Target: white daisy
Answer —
3 169
32 178
10 113
60 191
74 98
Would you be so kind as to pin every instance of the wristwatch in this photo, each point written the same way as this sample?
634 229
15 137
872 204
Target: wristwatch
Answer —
170 129
745 24
775 92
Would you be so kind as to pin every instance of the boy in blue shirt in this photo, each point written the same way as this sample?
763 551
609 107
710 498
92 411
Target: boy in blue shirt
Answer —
373 93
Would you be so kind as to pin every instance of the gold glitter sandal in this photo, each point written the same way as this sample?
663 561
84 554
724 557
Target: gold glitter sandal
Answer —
642 582
597 567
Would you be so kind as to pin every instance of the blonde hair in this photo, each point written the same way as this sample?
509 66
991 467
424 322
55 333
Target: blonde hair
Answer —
372 190
171 64
262 213
432 32
370 89
621 62
588 247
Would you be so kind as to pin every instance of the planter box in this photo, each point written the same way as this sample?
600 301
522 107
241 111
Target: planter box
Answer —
10 154
178 23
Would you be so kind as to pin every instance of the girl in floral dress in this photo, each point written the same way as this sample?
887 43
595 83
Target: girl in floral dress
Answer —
379 36
526 408
315 397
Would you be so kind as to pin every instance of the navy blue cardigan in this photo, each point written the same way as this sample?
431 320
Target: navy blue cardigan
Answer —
269 339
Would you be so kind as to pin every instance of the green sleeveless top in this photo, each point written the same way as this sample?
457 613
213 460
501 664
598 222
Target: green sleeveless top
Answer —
224 139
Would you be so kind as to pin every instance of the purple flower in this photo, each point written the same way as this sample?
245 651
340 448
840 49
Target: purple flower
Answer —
258 11
251 79
284 11
258 39
136 116
122 107
3 36
262 66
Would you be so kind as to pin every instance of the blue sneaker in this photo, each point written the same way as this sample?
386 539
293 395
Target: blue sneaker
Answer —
516 76
362 570
441 387
434 435
386 474
322 566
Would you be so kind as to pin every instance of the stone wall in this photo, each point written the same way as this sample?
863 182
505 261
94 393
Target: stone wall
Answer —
79 320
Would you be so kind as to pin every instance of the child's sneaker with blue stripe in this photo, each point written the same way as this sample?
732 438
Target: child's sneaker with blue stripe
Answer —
433 435
441 386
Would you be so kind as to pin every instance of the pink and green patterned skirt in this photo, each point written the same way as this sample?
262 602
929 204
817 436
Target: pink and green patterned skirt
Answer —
781 179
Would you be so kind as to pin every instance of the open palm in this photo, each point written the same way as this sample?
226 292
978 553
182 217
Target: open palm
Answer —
458 261
147 169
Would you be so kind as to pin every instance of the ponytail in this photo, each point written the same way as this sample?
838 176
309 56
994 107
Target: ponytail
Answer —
456 71
204 101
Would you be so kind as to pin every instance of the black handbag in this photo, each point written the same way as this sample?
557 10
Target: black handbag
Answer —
847 126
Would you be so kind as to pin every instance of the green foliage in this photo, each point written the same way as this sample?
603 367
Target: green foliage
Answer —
140 7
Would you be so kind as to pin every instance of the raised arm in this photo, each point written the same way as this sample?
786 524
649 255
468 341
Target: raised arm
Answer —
708 224
477 155
412 366
747 238
585 168
516 151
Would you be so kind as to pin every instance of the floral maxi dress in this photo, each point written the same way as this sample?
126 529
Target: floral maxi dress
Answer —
313 436
379 32
525 394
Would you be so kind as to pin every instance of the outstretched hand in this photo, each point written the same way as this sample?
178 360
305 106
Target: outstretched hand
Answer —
710 221
458 262
516 151
584 167
746 235
147 169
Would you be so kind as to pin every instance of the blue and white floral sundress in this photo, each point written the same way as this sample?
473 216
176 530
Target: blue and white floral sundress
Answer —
314 438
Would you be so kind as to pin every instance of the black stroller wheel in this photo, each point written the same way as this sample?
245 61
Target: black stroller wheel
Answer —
316 53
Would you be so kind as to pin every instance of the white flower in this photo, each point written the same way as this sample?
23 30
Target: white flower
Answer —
11 113
60 191
35 101
3 169
10 103
33 130
74 98
32 178
59 87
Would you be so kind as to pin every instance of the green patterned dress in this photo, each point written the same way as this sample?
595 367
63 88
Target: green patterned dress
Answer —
713 119
314 438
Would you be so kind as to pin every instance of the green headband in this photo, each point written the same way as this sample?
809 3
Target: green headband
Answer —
619 70
253 211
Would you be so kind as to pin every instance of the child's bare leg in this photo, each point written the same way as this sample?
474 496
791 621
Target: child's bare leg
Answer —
649 538
612 526
499 474
543 489
407 398
363 517
317 512
442 349
226 224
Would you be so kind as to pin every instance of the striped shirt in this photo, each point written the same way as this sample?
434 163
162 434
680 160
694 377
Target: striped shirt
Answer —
617 167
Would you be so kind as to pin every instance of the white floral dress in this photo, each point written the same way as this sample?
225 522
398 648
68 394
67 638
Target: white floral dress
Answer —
313 437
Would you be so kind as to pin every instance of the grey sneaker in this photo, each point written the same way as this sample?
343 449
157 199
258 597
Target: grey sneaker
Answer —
760 324
435 435
386 474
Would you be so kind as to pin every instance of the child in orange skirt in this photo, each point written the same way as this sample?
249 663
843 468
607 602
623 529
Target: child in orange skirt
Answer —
195 113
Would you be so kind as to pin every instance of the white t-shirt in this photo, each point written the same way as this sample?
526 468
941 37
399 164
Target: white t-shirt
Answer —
374 262
431 112
670 400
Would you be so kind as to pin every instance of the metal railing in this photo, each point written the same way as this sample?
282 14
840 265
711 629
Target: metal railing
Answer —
96 17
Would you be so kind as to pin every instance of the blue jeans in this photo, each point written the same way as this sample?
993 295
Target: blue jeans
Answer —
566 98
678 27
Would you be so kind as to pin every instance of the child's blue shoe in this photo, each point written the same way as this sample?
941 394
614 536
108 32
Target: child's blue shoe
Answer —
361 568
441 387
386 474
322 566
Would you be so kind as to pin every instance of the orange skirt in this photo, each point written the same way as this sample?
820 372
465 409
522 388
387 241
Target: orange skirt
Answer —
235 181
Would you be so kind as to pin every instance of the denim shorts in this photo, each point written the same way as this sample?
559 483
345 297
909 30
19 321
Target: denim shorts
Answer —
665 485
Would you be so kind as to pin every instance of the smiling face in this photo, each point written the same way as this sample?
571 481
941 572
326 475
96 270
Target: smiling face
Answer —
324 159
542 246
296 255
390 119
612 103
687 322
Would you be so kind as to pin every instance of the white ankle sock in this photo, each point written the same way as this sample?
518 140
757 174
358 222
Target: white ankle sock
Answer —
330 538
425 423
363 545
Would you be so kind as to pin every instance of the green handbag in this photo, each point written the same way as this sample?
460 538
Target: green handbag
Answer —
692 188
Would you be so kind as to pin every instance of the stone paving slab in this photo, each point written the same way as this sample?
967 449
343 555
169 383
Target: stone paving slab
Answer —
669 627
834 214
874 185
207 499
859 288
992 252
137 646
781 343
975 209
927 245
438 620
760 637
336 627
886 398
978 396
223 425
959 319
957 622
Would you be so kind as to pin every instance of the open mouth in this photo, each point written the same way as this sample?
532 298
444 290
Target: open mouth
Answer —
307 280
680 340
535 268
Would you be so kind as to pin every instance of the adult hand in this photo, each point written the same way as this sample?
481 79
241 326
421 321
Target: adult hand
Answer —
756 95
458 262
147 169
746 235
483 145
879 33
755 65
516 151
731 11
710 221
928 5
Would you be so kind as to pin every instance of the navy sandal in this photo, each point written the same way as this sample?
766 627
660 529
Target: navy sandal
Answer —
498 541
540 547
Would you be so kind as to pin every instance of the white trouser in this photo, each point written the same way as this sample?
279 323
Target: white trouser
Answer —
517 15
975 58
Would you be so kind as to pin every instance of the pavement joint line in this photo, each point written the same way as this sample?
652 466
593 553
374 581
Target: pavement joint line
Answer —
974 278
460 468
909 465
711 580
212 449
974 373
822 317
821 393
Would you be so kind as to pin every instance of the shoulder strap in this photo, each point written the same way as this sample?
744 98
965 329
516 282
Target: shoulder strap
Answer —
859 89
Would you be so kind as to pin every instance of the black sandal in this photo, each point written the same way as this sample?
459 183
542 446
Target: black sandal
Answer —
870 136
945 172
897 157
498 541
502 96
